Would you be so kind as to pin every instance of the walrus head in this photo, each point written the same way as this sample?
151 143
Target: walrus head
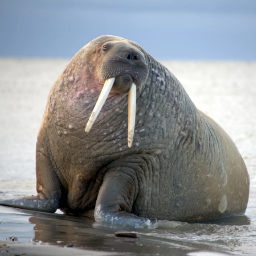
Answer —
122 69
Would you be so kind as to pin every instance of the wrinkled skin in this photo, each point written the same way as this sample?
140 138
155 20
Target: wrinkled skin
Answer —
181 166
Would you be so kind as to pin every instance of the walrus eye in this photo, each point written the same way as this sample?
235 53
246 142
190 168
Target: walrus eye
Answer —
105 47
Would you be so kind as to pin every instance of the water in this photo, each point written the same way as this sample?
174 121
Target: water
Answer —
226 91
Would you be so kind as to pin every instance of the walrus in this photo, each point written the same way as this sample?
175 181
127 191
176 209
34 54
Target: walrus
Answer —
142 152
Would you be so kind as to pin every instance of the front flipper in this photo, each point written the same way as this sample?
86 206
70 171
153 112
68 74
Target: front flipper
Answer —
33 203
116 197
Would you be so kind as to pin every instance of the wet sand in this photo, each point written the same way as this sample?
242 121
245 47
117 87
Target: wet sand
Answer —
57 234
226 91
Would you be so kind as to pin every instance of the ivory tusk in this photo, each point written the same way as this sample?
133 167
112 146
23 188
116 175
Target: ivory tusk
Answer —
100 102
131 113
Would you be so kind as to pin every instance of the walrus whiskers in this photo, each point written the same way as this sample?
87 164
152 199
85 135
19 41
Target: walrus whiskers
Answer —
131 113
100 102
131 108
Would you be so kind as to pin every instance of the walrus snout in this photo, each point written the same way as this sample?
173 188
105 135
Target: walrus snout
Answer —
126 61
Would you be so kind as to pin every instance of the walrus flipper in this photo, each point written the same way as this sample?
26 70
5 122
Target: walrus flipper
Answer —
116 198
33 203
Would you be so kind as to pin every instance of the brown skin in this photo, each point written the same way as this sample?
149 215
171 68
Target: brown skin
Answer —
182 165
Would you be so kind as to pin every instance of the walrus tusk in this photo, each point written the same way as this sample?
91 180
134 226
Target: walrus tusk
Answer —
100 102
131 113
131 108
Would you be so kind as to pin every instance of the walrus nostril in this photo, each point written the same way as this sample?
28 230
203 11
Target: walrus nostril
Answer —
135 57
132 56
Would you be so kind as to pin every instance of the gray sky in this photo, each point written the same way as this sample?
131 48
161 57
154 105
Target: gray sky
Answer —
167 29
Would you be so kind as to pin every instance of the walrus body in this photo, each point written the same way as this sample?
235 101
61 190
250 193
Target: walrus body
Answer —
181 165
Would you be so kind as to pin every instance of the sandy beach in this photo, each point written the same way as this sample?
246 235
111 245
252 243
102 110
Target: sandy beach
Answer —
226 91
